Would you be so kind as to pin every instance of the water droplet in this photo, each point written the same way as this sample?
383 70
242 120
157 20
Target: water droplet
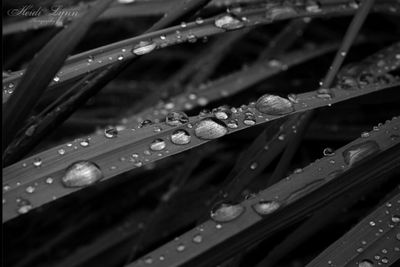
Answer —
199 21
176 118
197 239
232 124
222 113
143 47
49 180
254 166
56 79
210 128
110 132
37 162
366 263
180 137
365 134
265 207
360 151
293 98
324 93
82 173
274 105
226 212
148 260
145 123
120 57
228 22
84 143
180 248
158 145
30 189
25 208
313 7
328 152
61 151
6 187
249 119
396 218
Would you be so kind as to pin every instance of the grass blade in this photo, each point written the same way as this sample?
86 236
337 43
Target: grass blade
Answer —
371 242
108 153
35 80
305 192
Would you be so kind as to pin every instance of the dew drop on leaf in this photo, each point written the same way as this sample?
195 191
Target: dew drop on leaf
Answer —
49 180
360 151
37 162
249 119
145 123
324 93
222 113
366 263
180 248
158 145
265 207
232 124
176 118
328 152
24 206
274 105
396 218
110 132
228 22
82 173
143 47
30 189
197 239
180 137
226 212
210 128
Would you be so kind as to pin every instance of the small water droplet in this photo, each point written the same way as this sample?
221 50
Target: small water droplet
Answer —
226 212
176 118
6 187
145 123
365 134
61 151
222 113
396 218
82 173
328 152
232 124
210 128
158 145
228 22
84 143
180 137
30 189
49 180
37 162
254 166
199 21
197 239
143 47
180 248
110 132
265 207
56 79
324 93
274 105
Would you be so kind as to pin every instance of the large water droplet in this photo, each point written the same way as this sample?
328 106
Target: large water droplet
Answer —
210 128
265 207
143 47
228 22
360 151
366 263
176 118
180 137
226 212
158 145
274 105
82 173
222 113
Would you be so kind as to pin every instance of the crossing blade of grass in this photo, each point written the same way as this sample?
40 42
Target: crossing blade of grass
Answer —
35 80
115 153
121 51
229 85
43 124
372 242
348 40
293 30
210 56
286 202
320 219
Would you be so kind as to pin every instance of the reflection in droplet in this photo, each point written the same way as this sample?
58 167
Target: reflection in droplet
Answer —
82 173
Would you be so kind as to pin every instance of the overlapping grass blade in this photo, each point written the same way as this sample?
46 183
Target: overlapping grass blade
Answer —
78 65
114 155
34 81
286 202
372 242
